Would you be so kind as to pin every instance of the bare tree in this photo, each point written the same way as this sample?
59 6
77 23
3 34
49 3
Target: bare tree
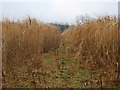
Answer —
82 19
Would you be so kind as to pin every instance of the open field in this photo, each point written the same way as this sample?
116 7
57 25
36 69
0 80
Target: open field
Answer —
39 55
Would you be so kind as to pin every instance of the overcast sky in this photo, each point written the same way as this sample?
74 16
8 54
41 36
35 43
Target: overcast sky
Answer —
57 10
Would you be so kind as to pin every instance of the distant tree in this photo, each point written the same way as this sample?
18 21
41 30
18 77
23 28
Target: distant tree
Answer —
61 26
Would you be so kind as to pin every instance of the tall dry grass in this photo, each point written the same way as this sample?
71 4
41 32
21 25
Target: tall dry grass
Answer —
96 45
93 44
24 41
29 37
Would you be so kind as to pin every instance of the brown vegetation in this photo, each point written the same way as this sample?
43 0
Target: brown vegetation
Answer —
25 40
41 55
96 44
